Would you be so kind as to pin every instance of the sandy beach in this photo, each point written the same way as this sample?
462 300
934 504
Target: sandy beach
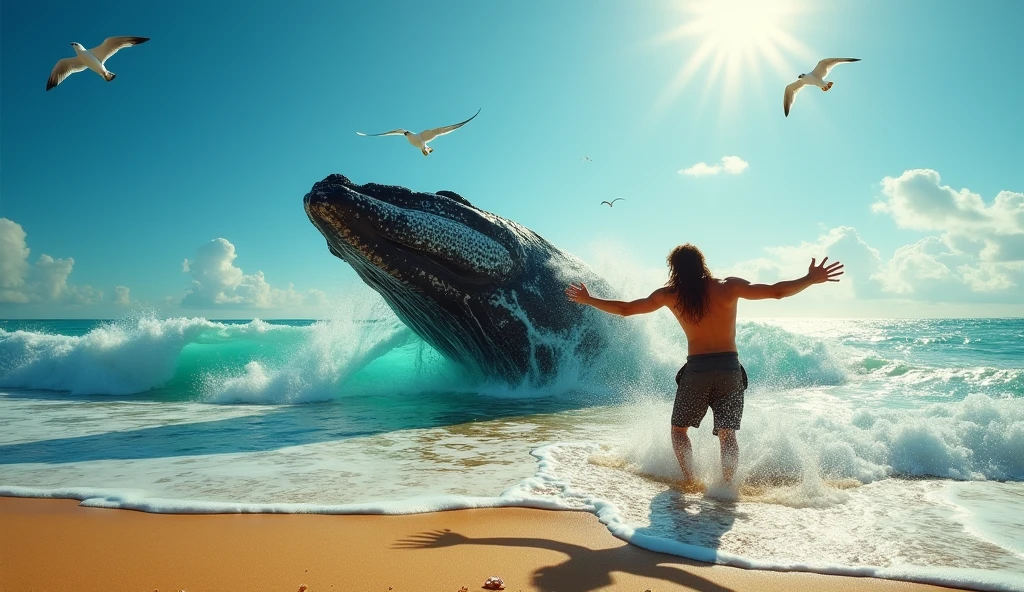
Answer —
57 545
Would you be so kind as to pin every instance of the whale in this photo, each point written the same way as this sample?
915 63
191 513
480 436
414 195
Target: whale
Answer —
484 291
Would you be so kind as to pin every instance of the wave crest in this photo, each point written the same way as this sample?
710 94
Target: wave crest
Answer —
261 362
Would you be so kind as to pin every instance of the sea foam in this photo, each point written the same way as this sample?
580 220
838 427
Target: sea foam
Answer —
118 358
979 438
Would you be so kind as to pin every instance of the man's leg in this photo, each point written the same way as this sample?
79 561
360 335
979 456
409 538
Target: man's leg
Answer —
730 453
684 452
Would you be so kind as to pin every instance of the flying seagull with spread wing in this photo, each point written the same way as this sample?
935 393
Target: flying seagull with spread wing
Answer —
611 204
420 140
94 59
816 78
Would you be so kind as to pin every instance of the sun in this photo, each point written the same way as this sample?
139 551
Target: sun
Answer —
734 38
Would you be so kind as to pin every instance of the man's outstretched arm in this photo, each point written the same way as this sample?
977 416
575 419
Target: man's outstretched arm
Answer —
580 294
816 274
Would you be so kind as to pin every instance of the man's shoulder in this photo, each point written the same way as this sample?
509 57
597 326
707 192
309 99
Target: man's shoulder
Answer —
735 281
663 293
732 283
730 287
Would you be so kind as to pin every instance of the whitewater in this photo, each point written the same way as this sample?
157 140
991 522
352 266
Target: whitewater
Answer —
887 448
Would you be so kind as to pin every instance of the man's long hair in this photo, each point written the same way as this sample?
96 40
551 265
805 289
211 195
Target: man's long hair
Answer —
689 277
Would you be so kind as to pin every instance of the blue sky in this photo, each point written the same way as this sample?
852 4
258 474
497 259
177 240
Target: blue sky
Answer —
218 126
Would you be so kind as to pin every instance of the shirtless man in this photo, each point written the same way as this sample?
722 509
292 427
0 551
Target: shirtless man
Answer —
712 376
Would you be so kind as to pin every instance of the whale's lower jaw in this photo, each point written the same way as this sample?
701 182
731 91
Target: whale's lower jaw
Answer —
461 326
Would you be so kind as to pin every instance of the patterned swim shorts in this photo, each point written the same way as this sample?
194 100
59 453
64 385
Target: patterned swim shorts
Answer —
710 380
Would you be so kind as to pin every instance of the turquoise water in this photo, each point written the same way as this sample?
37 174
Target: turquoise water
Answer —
892 448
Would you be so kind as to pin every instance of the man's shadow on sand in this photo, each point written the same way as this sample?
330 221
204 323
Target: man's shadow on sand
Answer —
690 520
588 569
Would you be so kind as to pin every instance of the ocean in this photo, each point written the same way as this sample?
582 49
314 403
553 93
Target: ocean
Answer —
887 448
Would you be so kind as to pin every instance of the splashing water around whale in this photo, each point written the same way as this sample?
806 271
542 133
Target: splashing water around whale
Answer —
484 291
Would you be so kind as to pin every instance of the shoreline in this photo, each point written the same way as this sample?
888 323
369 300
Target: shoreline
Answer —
56 544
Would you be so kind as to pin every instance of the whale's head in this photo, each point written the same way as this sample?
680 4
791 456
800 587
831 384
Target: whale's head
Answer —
444 266
400 240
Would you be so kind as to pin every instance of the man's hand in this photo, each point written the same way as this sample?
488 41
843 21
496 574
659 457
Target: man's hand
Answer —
820 274
434 539
578 294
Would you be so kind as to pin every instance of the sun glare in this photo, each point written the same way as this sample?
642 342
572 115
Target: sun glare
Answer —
733 39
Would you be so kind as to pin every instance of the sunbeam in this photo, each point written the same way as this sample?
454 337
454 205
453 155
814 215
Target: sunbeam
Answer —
733 38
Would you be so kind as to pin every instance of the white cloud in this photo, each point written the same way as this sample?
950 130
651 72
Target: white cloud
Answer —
932 270
13 259
51 276
216 281
732 165
122 296
926 278
317 298
915 200
981 245
977 259
701 169
842 244
987 277
914 265
46 280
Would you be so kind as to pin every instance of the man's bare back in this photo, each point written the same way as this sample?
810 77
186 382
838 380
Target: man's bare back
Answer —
716 332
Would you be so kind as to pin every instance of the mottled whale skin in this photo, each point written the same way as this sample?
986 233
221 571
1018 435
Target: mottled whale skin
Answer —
484 291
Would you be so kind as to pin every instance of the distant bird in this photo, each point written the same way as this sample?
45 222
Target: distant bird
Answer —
611 204
420 140
586 159
816 77
94 59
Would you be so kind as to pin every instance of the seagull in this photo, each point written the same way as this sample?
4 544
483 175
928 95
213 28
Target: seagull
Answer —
611 204
420 140
816 77
94 59
586 159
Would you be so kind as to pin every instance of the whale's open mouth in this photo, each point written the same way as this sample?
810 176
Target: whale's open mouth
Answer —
412 238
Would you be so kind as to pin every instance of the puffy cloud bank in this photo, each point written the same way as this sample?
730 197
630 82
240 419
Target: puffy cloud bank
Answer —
217 282
45 280
732 165
981 245
977 255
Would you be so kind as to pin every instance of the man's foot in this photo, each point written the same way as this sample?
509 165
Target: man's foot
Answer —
691 486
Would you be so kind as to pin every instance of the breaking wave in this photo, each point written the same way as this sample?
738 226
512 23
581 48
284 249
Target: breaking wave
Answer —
269 362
